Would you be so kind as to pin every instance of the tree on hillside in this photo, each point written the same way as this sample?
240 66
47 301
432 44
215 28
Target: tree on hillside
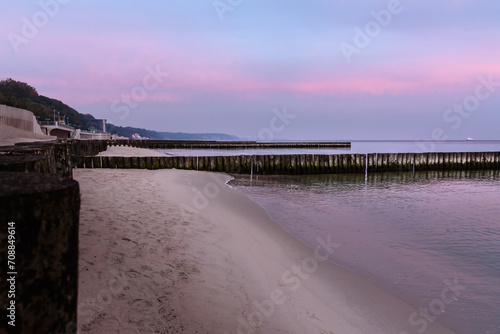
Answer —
21 95
17 89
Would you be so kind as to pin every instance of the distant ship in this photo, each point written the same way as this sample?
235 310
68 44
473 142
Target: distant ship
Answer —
470 139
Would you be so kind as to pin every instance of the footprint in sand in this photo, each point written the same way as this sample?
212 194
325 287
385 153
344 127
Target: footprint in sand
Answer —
183 275
121 296
140 304
146 268
88 262
140 310
132 241
117 258
132 273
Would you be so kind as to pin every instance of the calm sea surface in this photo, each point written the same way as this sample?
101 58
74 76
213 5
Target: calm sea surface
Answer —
413 235
356 147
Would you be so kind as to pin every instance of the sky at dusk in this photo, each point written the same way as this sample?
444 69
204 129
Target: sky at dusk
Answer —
266 69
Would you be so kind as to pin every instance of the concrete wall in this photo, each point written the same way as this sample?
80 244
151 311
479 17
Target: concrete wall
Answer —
307 164
60 133
19 123
19 118
93 136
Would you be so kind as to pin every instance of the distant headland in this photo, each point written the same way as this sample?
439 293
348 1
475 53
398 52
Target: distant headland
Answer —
23 96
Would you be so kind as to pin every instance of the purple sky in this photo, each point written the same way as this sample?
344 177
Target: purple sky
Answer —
331 69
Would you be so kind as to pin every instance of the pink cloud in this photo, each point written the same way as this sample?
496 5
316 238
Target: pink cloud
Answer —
90 70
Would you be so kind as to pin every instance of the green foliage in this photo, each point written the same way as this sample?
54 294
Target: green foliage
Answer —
21 95
3 99
128 131
18 89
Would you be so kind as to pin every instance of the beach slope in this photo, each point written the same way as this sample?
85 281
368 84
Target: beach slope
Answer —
171 251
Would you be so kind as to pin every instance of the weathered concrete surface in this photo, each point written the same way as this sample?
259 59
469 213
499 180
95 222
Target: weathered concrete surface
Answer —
19 123
45 210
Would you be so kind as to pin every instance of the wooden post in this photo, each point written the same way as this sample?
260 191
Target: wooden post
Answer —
89 162
25 163
127 162
41 211
97 162
120 163
155 163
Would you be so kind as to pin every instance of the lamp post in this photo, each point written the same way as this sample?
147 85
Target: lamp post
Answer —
54 115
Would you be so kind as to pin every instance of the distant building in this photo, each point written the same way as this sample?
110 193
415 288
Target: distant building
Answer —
137 136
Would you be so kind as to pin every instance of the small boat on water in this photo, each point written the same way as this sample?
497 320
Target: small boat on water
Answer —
470 139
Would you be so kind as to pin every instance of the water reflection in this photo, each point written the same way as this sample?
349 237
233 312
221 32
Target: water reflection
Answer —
406 232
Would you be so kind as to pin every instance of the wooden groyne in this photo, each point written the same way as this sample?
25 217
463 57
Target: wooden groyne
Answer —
206 144
40 204
52 157
61 156
40 213
44 157
306 164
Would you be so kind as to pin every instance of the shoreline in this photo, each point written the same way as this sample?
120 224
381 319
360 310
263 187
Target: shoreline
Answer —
182 251
127 151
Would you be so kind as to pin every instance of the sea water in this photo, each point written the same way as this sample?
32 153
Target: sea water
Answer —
414 235
357 146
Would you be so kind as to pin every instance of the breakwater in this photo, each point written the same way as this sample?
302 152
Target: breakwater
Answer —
206 144
40 204
40 213
306 164
61 156
52 157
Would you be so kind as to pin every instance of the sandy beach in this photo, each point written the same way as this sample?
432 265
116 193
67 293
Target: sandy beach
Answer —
127 151
171 251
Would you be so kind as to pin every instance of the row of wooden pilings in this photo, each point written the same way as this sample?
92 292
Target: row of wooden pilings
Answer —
306 164
215 144
53 157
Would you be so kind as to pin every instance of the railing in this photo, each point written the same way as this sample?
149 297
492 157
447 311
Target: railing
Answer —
67 127
56 124
47 123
